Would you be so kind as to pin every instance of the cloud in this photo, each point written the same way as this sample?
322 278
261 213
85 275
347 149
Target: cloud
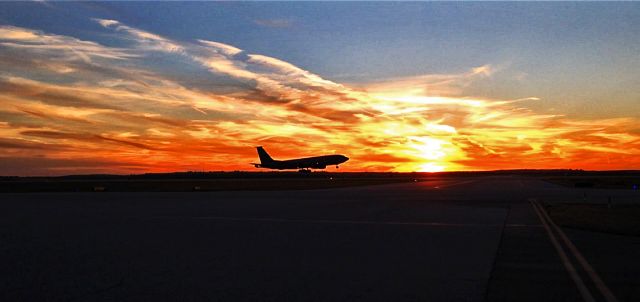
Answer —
222 48
223 58
17 34
82 107
107 23
48 94
55 46
146 39
86 138
292 72
430 84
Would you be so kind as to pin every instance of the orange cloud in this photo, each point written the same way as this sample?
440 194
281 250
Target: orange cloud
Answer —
94 109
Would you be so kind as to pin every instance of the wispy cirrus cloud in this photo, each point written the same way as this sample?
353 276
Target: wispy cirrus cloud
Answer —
73 99
145 39
60 47
431 84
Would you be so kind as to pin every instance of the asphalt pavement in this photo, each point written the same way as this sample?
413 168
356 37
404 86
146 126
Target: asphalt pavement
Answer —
453 239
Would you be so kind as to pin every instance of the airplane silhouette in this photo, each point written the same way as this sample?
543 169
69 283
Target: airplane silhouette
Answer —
303 164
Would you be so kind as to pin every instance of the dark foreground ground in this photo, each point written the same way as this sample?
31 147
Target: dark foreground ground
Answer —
279 180
607 217
443 239
202 181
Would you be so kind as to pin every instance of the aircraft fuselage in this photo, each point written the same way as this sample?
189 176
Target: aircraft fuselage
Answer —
316 162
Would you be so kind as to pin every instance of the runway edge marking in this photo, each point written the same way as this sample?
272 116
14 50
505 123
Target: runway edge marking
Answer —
582 288
602 287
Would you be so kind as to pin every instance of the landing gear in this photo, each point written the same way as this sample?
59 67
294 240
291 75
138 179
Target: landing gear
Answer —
304 170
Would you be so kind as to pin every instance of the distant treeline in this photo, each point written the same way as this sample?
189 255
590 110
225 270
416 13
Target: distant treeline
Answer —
320 174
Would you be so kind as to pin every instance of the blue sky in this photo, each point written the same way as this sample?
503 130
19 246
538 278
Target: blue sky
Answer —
574 55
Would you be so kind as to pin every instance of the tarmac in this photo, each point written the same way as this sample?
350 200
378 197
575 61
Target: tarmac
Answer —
450 239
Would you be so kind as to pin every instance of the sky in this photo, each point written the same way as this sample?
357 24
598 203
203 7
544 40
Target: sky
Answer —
136 87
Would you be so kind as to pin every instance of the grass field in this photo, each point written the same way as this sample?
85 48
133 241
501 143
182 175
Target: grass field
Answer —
601 182
620 219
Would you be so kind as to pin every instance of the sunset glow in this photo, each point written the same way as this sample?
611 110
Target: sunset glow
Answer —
139 101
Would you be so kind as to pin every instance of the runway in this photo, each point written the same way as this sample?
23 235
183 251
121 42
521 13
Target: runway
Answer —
468 239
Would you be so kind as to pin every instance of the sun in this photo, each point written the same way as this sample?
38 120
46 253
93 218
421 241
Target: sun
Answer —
430 167
431 154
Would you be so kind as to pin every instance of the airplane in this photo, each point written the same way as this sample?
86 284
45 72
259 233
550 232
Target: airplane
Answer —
302 164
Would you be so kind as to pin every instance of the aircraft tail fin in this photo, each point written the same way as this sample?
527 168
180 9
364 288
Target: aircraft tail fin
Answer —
264 156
